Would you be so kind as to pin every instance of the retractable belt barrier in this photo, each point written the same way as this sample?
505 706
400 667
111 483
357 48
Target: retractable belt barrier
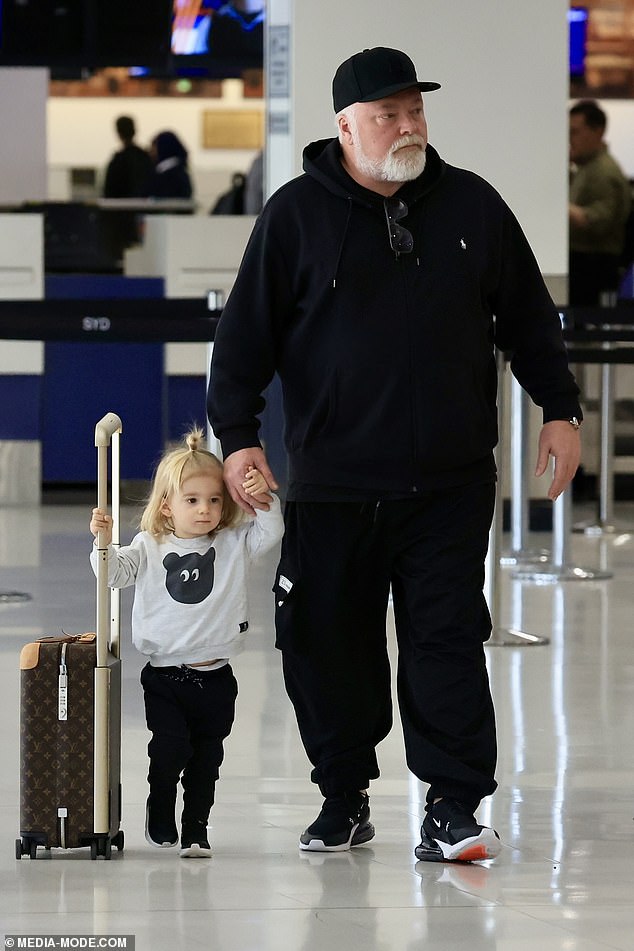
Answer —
613 339
603 339
144 320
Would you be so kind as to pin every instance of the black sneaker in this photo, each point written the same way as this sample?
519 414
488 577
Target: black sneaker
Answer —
160 829
194 842
450 834
344 821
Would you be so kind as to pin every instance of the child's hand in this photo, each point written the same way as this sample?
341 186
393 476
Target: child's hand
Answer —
100 522
256 486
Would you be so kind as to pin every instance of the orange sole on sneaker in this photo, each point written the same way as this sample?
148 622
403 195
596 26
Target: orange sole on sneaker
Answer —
486 846
476 853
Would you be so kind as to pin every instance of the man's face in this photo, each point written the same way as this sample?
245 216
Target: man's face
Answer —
585 141
388 138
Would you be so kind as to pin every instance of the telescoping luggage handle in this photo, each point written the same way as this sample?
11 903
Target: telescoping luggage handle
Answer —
107 433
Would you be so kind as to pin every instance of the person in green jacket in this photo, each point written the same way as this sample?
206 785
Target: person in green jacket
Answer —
600 199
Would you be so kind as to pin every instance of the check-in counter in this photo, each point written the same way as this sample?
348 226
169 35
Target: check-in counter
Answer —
86 354
194 256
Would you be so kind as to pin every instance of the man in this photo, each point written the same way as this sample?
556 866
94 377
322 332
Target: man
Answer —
127 176
600 198
377 284
129 169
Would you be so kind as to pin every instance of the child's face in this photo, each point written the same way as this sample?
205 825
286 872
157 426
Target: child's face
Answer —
196 509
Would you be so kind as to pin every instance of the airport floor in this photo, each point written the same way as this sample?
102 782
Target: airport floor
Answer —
564 808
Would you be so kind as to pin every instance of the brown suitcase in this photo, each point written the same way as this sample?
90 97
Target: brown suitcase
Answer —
70 713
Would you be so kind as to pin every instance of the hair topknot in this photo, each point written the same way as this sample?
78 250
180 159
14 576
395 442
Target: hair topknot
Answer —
189 458
195 439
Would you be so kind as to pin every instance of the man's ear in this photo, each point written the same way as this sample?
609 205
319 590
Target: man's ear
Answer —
344 128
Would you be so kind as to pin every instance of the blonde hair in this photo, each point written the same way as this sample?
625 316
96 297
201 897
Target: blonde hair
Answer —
175 466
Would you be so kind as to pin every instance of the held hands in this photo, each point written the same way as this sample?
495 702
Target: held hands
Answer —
100 522
256 486
239 474
560 440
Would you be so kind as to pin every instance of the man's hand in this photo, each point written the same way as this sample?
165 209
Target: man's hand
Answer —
236 469
577 216
560 440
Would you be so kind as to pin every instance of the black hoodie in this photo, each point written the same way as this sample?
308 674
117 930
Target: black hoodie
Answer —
387 361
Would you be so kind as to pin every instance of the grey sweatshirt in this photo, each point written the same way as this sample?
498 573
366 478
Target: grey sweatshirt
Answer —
191 598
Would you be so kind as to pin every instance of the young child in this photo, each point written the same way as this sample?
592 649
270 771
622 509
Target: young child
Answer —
190 564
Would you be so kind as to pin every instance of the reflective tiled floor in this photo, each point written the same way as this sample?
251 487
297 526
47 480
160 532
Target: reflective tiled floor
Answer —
564 808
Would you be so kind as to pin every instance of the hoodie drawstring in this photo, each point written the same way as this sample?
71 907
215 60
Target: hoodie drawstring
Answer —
342 242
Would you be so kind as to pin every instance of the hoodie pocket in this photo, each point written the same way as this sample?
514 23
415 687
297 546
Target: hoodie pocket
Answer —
457 399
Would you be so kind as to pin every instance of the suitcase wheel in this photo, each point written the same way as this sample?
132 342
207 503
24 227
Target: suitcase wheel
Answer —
102 845
26 846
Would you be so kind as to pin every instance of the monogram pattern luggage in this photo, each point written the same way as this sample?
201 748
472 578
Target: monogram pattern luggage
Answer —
70 713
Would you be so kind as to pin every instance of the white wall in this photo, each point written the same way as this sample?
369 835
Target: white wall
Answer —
502 110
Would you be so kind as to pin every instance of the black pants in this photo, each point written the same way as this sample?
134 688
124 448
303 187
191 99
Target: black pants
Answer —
189 713
337 564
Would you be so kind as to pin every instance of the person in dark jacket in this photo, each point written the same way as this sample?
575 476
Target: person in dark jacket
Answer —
170 177
129 169
231 202
378 285
127 176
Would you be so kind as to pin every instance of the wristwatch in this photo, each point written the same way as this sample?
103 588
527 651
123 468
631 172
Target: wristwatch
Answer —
574 422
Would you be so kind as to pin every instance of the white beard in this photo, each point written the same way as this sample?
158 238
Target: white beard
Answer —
394 167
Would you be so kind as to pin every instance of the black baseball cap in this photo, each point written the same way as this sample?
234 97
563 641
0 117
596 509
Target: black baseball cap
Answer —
374 74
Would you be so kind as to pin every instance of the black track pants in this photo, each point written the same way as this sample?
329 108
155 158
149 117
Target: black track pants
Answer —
189 715
337 564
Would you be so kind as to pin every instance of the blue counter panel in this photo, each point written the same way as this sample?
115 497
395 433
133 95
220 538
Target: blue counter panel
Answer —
82 382
186 404
101 286
20 406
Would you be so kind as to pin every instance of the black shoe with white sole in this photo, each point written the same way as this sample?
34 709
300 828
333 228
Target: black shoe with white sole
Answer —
450 833
194 842
344 821
160 827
